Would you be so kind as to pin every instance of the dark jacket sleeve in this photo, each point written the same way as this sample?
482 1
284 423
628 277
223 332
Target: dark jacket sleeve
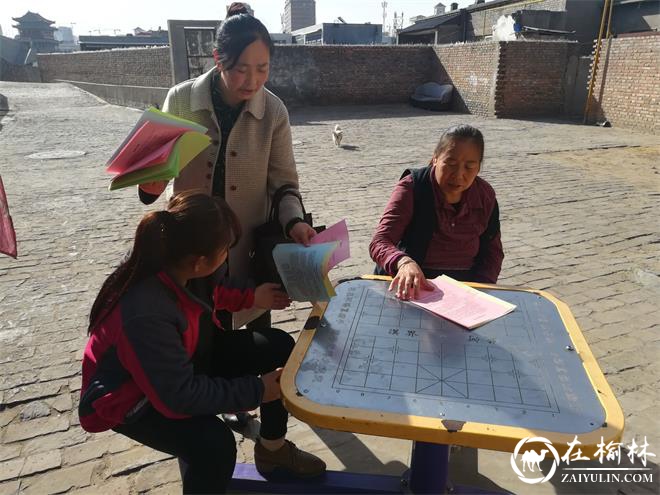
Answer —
488 263
151 349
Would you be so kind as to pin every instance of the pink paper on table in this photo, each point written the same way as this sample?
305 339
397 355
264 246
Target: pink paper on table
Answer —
336 233
151 136
7 233
461 303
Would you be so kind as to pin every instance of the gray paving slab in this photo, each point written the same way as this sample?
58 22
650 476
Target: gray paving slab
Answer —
579 210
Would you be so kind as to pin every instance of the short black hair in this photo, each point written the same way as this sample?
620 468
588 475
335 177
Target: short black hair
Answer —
463 131
236 32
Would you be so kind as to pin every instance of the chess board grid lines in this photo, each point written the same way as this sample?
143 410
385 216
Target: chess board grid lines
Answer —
365 294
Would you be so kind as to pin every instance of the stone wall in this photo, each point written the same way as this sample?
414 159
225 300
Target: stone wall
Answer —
344 74
510 79
491 79
471 68
129 66
124 95
627 88
300 75
532 78
18 73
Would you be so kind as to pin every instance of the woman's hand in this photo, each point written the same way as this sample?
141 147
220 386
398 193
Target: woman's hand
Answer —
271 382
409 280
155 188
302 233
271 296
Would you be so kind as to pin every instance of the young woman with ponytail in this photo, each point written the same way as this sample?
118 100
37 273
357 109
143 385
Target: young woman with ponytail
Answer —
159 369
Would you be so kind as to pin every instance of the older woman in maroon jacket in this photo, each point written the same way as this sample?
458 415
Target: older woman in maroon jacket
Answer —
441 219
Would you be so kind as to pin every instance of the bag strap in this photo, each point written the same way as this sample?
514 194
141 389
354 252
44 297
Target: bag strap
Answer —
282 191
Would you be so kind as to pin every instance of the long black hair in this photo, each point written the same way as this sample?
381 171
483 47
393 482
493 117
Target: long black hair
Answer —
193 224
463 131
236 32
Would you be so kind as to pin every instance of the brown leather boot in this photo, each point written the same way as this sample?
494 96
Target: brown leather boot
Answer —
287 458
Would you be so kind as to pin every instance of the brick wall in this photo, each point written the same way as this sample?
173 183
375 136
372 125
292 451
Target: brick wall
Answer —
508 79
471 68
131 67
627 89
344 74
531 78
325 75
18 73
514 79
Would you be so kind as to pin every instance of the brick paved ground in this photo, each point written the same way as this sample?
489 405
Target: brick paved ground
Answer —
579 215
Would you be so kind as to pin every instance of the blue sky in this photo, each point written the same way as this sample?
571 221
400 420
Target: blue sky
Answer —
124 15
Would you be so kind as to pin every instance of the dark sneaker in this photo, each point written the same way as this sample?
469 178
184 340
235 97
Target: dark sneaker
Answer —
287 458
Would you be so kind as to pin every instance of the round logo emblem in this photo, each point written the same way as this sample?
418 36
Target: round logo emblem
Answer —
531 460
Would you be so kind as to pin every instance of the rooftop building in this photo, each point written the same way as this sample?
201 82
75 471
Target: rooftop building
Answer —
38 31
298 14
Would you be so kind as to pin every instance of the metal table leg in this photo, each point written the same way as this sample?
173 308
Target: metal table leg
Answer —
429 468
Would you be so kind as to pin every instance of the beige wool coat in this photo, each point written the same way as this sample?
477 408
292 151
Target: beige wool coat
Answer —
259 160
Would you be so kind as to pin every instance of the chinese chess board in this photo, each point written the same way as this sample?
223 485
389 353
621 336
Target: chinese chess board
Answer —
374 352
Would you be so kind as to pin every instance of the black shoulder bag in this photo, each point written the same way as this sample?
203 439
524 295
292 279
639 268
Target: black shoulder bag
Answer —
270 234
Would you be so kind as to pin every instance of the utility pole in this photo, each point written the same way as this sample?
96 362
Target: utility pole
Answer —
384 5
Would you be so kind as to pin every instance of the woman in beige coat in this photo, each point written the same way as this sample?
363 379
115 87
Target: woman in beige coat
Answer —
250 157
251 152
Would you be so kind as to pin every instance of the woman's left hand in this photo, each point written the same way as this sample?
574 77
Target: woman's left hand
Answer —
271 296
302 233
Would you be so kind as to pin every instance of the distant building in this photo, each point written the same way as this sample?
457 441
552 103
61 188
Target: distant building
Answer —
281 38
636 16
298 14
577 20
161 33
68 42
92 43
38 31
339 34
417 18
